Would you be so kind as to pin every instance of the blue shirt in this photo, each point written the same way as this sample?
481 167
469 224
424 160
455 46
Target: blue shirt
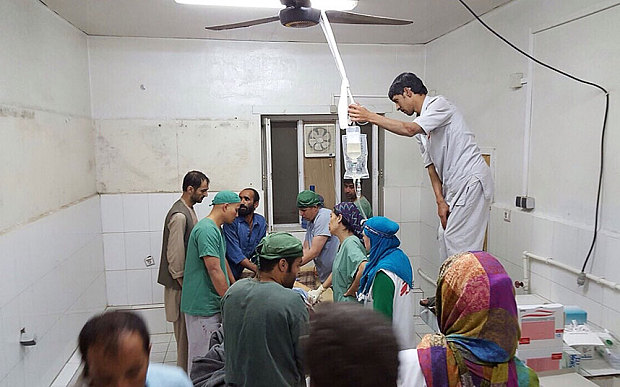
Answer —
240 242
159 375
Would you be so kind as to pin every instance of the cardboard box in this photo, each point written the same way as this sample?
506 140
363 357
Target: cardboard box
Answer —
541 359
542 326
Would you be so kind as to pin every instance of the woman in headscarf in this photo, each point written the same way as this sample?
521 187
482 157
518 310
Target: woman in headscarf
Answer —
387 279
345 224
477 316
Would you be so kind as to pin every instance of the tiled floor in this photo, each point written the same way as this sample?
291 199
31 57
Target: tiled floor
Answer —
164 349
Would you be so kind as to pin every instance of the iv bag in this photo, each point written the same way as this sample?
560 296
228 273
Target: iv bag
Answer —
355 150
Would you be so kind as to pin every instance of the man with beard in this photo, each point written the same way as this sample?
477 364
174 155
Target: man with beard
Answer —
263 319
244 234
177 227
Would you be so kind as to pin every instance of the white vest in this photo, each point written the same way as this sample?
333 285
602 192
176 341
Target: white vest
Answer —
402 311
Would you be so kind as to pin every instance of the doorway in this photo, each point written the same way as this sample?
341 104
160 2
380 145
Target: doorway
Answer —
292 162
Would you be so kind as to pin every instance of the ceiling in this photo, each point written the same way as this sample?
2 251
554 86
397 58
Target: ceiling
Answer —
167 19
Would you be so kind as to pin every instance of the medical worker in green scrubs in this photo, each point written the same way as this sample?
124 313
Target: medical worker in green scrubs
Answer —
346 224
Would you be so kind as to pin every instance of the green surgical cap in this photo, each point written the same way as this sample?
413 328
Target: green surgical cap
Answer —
224 197
307 199
279 245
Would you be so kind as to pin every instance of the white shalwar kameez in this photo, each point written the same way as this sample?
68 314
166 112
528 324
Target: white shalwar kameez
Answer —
466 179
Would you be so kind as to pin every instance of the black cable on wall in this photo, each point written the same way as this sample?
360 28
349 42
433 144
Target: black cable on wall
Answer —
582 276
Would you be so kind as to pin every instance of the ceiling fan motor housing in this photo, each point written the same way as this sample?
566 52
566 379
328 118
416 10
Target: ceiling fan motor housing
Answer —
299 17
296 3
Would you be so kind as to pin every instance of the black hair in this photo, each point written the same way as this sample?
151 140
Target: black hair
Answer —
105 329
267 265
255 192
409 80
335 330
347 181
194 179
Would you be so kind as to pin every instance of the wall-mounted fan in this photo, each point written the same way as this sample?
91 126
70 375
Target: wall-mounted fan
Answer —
319 140
300 14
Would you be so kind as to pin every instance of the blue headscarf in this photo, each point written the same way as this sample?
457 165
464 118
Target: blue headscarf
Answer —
384 253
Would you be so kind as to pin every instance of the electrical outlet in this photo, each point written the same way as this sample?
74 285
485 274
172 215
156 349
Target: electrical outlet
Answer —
149 261
506 215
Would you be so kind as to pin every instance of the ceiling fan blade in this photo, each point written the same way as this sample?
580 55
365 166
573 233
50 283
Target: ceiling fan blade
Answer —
344 17
248 23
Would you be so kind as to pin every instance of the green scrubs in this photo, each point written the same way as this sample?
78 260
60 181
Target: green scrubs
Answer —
262 325
364 206
350 254
199 297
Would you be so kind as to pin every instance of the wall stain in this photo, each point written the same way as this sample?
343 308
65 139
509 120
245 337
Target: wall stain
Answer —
6 111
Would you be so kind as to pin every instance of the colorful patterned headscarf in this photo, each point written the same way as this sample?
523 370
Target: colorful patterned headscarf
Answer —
352 215
479 327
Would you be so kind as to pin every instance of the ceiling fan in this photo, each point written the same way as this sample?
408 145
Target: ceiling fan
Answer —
300 14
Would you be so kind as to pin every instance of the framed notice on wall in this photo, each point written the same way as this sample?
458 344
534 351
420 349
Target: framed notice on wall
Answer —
320 140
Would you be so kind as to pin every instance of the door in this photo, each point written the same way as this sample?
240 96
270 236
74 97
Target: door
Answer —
319 172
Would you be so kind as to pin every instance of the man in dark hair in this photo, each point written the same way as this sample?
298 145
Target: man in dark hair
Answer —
461 179
350 346
362 203
177 227
244 234
115 349
263 319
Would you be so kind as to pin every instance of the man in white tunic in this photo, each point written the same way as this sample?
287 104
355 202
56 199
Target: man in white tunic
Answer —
460 177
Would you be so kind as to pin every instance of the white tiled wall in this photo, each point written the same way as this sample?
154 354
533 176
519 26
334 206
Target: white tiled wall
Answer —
566 243
132 227
405 205
52 281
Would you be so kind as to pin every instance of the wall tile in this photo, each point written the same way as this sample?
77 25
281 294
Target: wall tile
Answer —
155 238
540 285
159 205
498 232
566 244
112 213
114 251
429 245
410 238
9 336
116 287
391 203
410 204
541 242
136 212
155 319
612 266
158 290
519 236
137 248
139 288
10 280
